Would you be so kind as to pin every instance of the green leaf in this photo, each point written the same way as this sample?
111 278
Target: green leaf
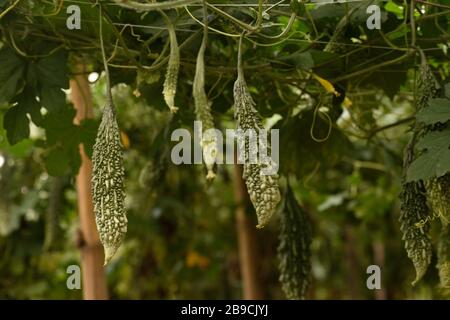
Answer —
302 60
308 59
298 7
57 162
390 84
11 71
53 70
447 90
62 133
16 124
309 155
88 133
32 76
435 159
27 101
437 111
398 33
20 150
59 126
52 98
394 8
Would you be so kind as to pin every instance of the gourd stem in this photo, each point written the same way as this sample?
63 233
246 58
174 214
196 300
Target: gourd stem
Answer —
239 64
205 23
105 64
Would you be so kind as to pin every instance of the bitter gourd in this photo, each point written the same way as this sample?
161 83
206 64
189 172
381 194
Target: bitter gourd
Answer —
170 82
263 188
415 227
203 107
108 174
108 185
443 255
294 254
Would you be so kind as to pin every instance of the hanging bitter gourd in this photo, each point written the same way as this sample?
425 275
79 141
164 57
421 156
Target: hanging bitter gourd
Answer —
415 226
428 85
262 187
171 80
108 175
438 194
203 107
443 255
415 213
294 254
438 188
107 183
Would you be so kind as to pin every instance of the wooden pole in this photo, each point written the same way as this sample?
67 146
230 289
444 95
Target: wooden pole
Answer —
93 273
379 258
247 244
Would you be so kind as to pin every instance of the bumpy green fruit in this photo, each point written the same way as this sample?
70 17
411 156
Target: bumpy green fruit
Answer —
107 184
428 86
262 188
294 254
170 82
443 254
415 214
203 110
415 227
438 194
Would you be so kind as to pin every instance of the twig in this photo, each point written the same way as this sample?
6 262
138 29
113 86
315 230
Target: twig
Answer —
389 126
412 22
9 9
437 5
105 63
375 67
171 4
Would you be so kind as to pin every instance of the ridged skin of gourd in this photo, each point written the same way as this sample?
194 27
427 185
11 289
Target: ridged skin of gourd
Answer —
108 184
203 111
294 254
262 188
415 227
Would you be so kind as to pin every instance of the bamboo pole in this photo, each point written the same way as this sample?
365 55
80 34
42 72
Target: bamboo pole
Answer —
247 244
93 273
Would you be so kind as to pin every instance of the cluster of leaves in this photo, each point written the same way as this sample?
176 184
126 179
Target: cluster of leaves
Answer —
434 161
33 88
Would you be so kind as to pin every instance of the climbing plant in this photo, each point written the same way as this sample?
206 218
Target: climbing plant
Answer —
362 114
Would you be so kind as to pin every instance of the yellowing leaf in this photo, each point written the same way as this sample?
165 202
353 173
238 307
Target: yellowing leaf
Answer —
125 140
327 85
194 259
347 102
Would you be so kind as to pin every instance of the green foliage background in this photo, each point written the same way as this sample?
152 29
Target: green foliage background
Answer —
181 240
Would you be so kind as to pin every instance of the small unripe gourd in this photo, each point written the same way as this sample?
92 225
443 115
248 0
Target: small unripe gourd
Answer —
171 80
203 110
